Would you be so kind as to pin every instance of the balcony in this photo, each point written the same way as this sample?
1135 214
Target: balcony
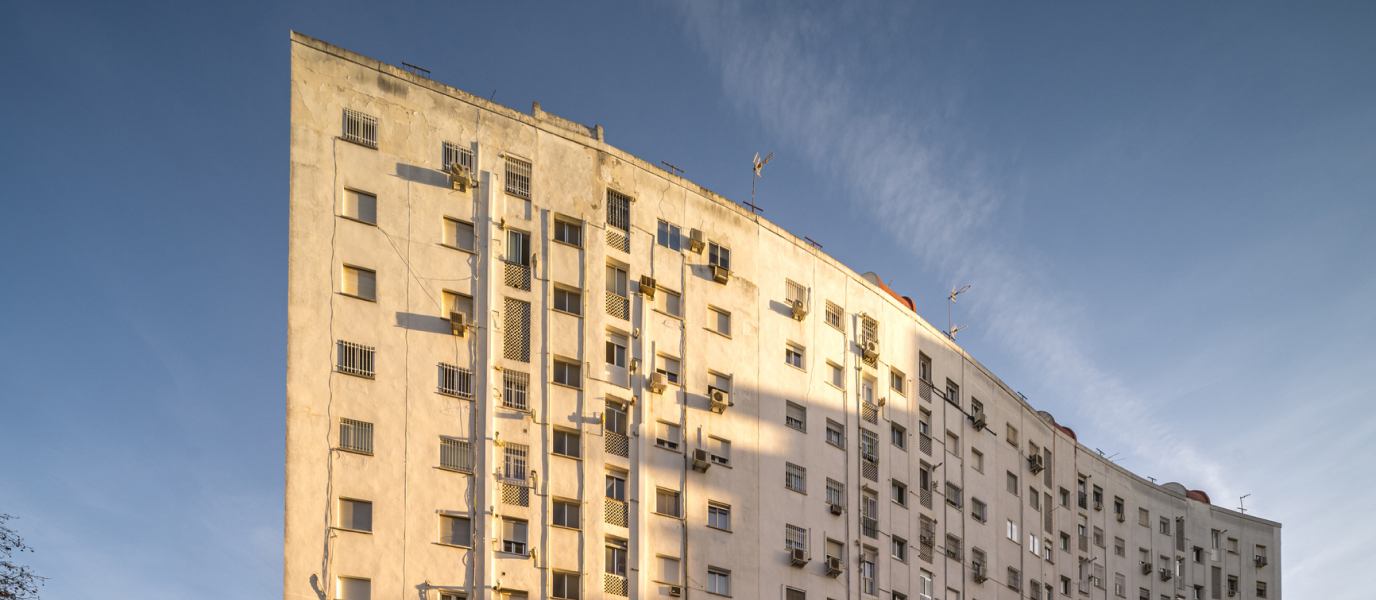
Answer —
615 513
618 306
618 444
517 276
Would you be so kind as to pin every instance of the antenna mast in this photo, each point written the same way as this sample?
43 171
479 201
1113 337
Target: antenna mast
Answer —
951 329
758 164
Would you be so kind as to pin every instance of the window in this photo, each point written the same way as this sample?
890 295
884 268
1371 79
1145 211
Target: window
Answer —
794 292
719 516
1012 483
1014 579
360 206
718 256
835 548
456 455
568 373
979 510
718 581
565 586
898 435
900 548
1119 508
514 536
953 547
666 435
355 515
793 355
566 443
617 282
1065 541
1099 537
515 390
668 236
1197 554
449 595
1120 547
795 478
795 537
614 420
1120 586
1261 589
667 569
836 492
924 586
977 460
867 571
360 129
836 435
1034 544
1165 526
459 234
836 374
1144 517
355 436
953 496
952 443
566 514
568 300
616 557
794 594
719 321
517 177
924 367
455 302
1232 545
834 316
897 382
515 461
1012 435
897 596
1232 585
1064 496
720 450
353 588
952 392
666 502
453 153
900 493
568 233
359 283
1012 531
1098 498
795 416
667 365
616 351
456 531
669 303
518 252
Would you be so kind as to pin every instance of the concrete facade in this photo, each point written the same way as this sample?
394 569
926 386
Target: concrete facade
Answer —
911 463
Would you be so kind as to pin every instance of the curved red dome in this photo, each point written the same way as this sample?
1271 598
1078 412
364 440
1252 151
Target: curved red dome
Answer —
1068 431
1198 495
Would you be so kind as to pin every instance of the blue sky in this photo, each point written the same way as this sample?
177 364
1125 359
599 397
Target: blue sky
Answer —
1165 211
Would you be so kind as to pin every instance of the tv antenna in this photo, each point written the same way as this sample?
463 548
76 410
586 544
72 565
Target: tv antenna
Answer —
951 329
1239 504
758 164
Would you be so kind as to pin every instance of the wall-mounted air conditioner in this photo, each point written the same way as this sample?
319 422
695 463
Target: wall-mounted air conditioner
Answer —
837 509
458 323
675 591
799 310
833 566
979 421
871 349
461 178
719 399
647 286
798 557
720 274
658 381
1036 463
695 241
701 460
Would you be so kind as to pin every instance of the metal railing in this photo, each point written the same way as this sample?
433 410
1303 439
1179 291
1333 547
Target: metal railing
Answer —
360 128
453 153
618 306
925 496
869 469
869 527
456 381
869 412
614 585
517 275
618 444
924 443
615 513
515 492
618 240
356 359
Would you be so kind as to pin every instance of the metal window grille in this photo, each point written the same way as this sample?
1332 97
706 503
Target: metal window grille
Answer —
794 291
1014 579
924 443
518 177
356 436
979 510
517 275
1046 467
515 494
618 210
834 316
456 381
514 467
795 477
615 512
927 539
953 548
618 444
869 412
453 153
869 454
869 514
795 537
869 332
618 306
614 585
456 455
1046 519
924 390
953 495
836 492
356 359
360 128
516 333
516 390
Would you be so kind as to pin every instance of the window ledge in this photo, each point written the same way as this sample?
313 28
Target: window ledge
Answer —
719 529
358 452
460 249
574 314
567 244
351 530
357 220
452 546
725 335
667 314
570 457
565 385
348 295
453 470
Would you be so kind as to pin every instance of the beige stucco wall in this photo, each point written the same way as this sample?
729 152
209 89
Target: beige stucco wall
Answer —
573 169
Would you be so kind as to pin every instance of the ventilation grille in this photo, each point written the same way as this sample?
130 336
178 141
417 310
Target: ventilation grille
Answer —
618 240
515 495
924 443
516 334
614 585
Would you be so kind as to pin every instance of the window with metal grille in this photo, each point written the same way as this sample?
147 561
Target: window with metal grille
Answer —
514 466
356 436
360 206
836 492
454 153
979 510
456 531
618 210
833 316
360 129
794 291
1014 579
869 445
516 334
514 536
953 495
795 537
456 381
515 390
456 455
566 443
953 548
518 177
355 515
667 503
869 513
359 282
795 416
795 478
869 330
568 373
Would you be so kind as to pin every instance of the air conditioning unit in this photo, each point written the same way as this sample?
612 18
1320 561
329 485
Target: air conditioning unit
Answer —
1122 517
978 569
833 566
980 421
720 274
871 349
1166 574
1098 505
647 286
1036 463
798 557
799 310
1232 593
658 381
719 399
695 242
701 460
1260 560
837 509
461 178
1146 568
926 539
675 591
458 323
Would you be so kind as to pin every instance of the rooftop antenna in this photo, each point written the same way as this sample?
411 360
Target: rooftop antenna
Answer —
951 329
1239 504
758 164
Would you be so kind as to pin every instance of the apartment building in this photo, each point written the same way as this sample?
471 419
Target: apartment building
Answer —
525 364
